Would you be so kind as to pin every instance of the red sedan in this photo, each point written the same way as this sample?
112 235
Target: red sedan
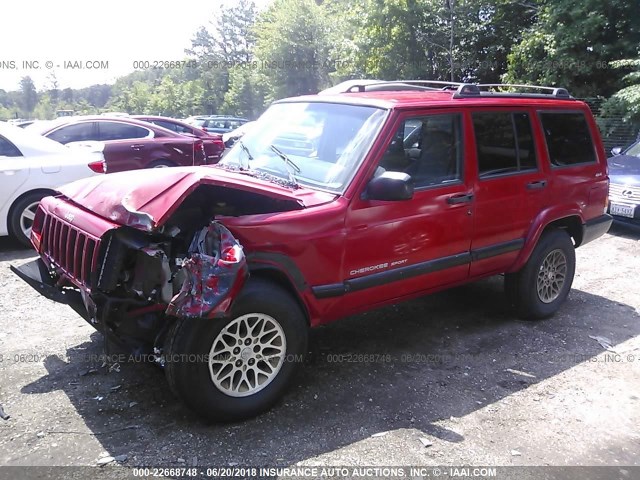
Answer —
213 143
131 144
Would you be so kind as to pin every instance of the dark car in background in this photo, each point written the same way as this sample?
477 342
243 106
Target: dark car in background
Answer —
213 143
130 144
624 189
218 124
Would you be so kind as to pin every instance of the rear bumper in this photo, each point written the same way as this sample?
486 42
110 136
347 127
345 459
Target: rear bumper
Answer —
596 227
36 274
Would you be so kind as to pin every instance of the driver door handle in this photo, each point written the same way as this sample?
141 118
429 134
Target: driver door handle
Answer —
537 185
462 198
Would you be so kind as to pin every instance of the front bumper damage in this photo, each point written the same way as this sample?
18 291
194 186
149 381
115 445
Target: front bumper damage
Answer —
37 275
140 286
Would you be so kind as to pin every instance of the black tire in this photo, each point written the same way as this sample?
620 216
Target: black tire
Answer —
521 287
189 343
162 164
16 216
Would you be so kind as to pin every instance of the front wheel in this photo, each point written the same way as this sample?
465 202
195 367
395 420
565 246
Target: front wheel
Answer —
237 367
538 290
21 217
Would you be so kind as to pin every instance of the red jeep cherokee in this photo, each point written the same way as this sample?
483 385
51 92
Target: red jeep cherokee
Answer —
332 205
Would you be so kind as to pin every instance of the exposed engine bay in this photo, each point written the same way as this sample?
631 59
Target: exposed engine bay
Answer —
191 267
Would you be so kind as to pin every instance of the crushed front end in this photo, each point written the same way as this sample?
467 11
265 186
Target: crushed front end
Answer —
132 284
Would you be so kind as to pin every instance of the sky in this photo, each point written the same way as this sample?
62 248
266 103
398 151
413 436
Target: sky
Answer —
85 43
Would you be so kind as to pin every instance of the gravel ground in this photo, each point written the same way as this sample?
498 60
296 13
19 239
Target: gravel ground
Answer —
454 371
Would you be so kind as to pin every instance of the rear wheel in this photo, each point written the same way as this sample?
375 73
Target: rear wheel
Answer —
238 367
538 290
21 217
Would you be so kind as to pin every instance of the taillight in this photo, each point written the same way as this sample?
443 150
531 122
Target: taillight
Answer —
99 166
198 150
219 142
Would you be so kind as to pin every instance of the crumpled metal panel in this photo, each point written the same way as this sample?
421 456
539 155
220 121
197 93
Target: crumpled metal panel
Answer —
214 274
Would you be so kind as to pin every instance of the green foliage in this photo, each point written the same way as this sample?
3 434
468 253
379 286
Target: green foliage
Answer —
291 48
229 42
462 40
247 93
572 44
245 59
45 109
624 104
166 97
29 96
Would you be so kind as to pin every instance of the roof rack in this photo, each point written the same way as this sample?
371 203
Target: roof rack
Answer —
512 90
412 84
366 85
462 90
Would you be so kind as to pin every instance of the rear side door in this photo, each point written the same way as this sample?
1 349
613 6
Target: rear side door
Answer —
126 145
397 248
511 186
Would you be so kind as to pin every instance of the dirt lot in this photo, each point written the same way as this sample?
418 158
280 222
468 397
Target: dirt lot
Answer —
455 370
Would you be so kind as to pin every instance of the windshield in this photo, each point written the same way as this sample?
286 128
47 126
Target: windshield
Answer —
325 142
634 150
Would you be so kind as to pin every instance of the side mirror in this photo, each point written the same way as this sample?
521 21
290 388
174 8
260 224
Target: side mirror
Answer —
616 151
390 186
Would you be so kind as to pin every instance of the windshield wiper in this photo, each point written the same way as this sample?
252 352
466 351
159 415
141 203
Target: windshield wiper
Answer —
247 151
289 164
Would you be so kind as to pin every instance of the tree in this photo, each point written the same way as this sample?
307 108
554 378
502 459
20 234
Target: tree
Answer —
191 94
247 93
456 40
54 89
228 42
46 108
486 34
67 95
571 44
620 115
291 48
29 96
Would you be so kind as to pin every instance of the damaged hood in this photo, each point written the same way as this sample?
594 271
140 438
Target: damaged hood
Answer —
144 199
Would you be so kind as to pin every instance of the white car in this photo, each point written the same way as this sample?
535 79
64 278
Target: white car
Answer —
31 168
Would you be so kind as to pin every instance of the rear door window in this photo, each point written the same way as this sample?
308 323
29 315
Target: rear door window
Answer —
504 142
121 131
568 138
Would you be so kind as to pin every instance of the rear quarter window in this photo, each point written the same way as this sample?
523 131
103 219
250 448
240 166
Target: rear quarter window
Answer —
79 132
568 138
8 149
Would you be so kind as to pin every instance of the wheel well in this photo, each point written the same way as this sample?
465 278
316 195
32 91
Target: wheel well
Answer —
44 191
572 225
157 161
280 279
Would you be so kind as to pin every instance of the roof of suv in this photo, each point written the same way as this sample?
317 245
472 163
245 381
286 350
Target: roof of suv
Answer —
412 94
